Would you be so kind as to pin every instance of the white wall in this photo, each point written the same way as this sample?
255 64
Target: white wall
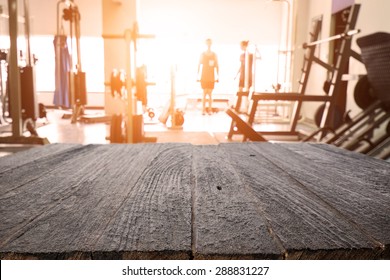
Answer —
227 21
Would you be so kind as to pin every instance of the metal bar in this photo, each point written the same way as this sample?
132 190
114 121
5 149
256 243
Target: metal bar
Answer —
173 96
315 133
122 36
129 85
350 133
279 133
356 55
113 36
253 110
323 64
77 31
384 155
237 107
290 97
27 31
340 67
307 64
377 143
361 116
14 79
366 131
380 150
58 16
349 33
358 127
245 128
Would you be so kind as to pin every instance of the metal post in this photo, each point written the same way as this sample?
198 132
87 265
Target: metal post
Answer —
78 35
27 31
14 79
129 85
173 96
287 51
246 69
288 42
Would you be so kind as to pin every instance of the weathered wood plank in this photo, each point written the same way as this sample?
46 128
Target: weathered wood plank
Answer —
298 218
156 215
162 201
360 188
37 164
101 201
30 155
329 177
227 221
53 195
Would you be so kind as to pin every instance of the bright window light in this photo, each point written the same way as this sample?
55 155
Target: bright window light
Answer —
92 62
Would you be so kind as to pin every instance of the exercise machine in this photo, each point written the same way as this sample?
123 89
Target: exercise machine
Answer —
372 95
23 107
336 71
170 111
129 128
369 131
71 90
3 81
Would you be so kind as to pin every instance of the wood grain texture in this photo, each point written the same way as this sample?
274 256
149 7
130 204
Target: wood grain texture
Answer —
27 156
341 204
227 219
98 199
179 201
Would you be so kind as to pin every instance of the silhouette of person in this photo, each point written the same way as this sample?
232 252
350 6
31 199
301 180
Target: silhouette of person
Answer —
246 65
208 70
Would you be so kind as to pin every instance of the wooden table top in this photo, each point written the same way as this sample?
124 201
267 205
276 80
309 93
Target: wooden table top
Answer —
179 201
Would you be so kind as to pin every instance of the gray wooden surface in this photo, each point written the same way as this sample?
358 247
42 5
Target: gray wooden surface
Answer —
179 201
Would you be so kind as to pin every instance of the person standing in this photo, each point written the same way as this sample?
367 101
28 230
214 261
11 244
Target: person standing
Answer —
245 70
208 70
246 73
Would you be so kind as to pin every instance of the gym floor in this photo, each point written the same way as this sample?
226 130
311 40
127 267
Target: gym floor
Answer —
197 129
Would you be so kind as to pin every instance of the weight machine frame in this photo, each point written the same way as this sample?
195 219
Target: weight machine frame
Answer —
337 71
130 36
76 76
15 80
357 134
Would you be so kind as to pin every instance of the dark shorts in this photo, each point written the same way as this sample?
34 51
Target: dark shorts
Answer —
207 85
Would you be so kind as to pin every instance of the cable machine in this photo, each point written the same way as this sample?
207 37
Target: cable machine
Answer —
21 83
71 90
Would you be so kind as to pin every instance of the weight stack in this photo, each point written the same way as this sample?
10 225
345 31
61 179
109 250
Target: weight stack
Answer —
27 89
80 87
